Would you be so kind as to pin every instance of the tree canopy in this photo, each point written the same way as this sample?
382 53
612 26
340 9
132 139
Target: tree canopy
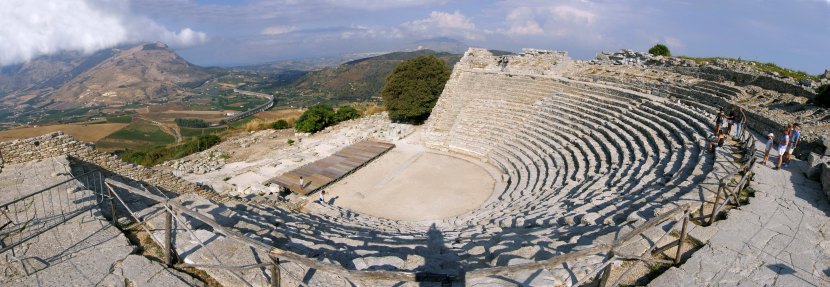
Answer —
319 117
413 87
346 113
315 119
660 50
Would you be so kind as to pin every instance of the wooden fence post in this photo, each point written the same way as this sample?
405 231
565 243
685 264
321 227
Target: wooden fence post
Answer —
606 272
717 200
682 237
112 207
275 272
168 237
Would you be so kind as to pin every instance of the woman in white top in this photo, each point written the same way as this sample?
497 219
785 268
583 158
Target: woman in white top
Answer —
770 140
782 147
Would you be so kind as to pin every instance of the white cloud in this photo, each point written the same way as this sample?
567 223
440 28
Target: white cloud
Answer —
443 24
33 28
530 27
379 4
278 30
555 20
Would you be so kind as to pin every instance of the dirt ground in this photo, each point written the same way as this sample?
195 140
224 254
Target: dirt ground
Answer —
412 183
82 132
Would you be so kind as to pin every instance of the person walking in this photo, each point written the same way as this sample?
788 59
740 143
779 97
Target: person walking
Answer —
740 121
770 140
783 143
730 119
302 183
795 137
719 121
323 197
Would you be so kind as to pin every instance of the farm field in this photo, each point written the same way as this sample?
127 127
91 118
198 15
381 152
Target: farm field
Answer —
82 132
138 134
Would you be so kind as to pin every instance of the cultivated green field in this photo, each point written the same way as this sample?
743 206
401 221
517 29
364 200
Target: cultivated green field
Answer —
139 134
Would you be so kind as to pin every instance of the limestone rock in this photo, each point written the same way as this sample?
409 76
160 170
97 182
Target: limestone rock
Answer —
825 178
814 162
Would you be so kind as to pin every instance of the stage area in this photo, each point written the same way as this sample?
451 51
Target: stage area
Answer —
321 173
411 183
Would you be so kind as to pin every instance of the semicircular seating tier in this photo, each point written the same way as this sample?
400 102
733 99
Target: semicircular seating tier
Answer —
576 159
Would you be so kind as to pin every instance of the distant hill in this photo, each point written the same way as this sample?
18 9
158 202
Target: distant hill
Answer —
440 44
116 76
308 64
361 79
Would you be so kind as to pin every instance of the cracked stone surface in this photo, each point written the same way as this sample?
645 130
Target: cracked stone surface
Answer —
782 238
86 250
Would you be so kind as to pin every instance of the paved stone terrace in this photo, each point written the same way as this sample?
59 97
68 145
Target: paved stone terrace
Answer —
782 238
86 250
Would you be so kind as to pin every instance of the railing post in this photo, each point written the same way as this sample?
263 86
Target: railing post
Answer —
168 236
682 237
112 208
717 200
275 272
606 272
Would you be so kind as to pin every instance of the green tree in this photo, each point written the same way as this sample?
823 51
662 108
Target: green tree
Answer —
315 119
346 113
660 50
280 125
413 87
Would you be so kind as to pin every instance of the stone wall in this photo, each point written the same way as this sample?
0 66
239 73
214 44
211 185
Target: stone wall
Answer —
529 62
713 73
718 70
55 144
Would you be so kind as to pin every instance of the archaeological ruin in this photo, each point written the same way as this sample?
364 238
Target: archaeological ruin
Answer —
533 170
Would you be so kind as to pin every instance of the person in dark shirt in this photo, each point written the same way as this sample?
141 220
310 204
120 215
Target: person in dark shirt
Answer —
719 121
730 119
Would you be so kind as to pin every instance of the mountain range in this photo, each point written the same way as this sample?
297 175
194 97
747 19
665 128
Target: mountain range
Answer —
152 72
109 77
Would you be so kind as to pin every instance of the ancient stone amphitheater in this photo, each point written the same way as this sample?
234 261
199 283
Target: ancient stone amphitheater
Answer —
601 170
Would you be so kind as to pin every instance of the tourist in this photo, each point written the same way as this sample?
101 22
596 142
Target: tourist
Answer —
770 140
741 121
719 121
783 143
302 184
323 197
720 139
730 119
795 137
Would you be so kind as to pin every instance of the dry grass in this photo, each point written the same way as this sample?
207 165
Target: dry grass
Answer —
82 132
274 115
255 125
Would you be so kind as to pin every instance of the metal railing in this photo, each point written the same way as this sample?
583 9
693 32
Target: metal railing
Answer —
31 215
171 213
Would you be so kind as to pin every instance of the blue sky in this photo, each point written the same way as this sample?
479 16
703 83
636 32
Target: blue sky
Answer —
213 32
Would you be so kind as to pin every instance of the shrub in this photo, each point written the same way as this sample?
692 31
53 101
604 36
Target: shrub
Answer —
315 119
290 142
660 50
192 123
154 155
413 87
280 125
346 113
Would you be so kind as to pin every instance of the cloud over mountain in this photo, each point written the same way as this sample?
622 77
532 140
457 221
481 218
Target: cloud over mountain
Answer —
33 28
